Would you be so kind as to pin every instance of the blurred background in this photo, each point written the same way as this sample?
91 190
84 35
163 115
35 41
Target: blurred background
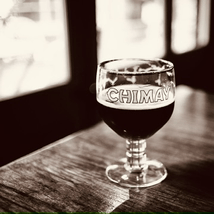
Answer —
49 50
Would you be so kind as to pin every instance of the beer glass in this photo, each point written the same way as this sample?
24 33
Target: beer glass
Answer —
136 98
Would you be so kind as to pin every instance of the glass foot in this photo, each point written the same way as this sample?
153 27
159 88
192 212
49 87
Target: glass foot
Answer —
155 173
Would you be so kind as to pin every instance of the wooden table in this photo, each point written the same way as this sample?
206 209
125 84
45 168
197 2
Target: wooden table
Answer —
69 175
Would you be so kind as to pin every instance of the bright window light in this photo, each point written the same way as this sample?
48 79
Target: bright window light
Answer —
190 25
34 46
127 28
204 23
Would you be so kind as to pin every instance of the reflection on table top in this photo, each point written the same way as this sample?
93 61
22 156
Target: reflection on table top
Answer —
69 175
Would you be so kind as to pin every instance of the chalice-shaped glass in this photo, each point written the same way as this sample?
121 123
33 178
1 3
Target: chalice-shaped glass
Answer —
136 98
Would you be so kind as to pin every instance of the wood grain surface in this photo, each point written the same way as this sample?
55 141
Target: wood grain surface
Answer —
69 175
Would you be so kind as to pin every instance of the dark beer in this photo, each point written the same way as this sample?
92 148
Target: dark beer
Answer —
135 117
136 124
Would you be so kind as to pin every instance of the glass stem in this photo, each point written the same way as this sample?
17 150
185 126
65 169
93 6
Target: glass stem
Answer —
136 156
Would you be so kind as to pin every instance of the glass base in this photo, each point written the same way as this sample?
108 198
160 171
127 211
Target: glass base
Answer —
154 174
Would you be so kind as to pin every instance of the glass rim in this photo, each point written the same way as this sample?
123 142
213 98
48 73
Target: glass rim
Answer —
170 65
